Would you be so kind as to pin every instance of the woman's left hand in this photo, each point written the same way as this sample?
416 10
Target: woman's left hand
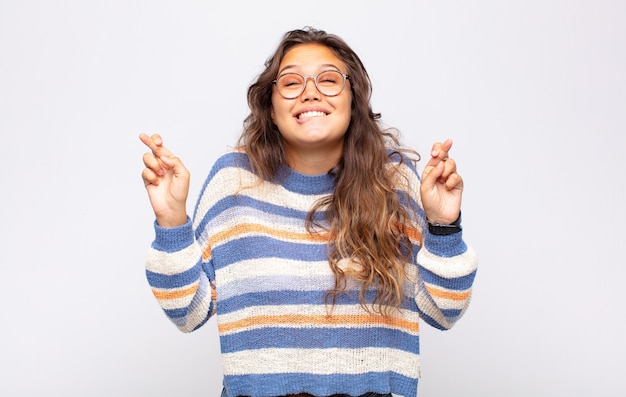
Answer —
441 187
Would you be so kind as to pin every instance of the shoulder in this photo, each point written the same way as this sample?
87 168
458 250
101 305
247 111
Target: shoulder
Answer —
227 174
404 162
234 158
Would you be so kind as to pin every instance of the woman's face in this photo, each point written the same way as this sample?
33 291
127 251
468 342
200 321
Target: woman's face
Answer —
313 125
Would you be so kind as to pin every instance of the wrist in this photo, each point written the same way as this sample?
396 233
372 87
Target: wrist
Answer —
172 219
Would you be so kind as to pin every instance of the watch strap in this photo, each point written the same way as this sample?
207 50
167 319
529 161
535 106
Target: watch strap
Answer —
439 229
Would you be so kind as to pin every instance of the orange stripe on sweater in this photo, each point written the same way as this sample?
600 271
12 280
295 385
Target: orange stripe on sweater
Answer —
455 296
206 253
181 293
245 228
414 234
294 319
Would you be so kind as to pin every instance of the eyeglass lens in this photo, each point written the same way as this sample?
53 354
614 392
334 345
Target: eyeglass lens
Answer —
329 83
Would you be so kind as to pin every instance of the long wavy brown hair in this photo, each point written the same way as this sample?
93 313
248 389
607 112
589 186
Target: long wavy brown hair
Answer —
366 220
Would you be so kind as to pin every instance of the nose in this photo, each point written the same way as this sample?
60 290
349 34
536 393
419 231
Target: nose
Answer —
310 90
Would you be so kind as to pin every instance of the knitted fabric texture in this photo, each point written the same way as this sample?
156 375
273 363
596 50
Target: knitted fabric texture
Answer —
248 258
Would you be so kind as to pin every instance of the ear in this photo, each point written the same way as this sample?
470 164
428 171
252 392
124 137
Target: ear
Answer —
272 114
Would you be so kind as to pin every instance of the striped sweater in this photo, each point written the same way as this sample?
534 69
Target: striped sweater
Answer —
247 257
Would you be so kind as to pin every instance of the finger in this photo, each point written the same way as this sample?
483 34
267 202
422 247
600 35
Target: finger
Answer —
454 181
440 150
149 177
449 176
444 173
160 152
431 174
176 165
435 167
449 167
153 163
155 143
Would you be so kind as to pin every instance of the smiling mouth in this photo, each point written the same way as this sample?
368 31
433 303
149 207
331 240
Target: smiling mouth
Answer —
311 114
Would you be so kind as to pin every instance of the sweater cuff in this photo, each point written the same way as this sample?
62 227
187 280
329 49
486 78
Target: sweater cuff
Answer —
445 246
172 239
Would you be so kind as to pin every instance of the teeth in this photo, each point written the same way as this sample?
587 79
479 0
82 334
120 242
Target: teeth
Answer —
311 114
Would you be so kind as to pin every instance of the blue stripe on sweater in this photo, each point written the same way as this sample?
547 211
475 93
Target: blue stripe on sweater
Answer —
172 239
285 297
176 314
445 246
430 321
451 313
249 247
456 284
320 385
320 338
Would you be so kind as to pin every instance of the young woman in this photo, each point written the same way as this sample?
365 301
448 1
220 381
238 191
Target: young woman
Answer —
316 242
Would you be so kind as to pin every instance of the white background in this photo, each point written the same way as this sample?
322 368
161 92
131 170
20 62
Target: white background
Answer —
532 92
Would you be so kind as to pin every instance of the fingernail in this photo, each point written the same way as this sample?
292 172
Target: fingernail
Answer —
434 152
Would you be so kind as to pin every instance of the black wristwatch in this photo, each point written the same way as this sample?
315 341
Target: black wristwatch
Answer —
445 230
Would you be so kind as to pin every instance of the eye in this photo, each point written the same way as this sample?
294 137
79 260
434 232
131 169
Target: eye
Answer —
290 80
329 78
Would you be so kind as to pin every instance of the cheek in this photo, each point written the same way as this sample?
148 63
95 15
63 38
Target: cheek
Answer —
347 99
278 108
347 105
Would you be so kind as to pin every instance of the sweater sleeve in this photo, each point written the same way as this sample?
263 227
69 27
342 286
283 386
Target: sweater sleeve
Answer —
447 267
180 278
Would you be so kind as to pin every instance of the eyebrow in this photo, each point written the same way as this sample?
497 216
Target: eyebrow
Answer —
325 65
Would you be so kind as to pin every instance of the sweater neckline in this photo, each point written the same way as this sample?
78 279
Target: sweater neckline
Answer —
306 184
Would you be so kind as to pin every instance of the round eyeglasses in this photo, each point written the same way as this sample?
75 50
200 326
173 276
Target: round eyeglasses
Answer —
328 82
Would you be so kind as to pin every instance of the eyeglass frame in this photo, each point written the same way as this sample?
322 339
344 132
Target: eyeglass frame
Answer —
314 77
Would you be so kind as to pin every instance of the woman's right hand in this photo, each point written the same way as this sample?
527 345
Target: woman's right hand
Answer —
167 182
